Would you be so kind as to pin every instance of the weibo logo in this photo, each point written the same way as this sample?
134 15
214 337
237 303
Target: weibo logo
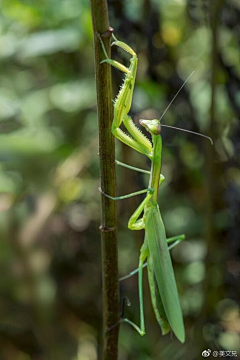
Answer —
206 353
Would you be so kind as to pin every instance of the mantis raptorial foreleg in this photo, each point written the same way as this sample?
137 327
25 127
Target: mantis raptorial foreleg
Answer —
123 104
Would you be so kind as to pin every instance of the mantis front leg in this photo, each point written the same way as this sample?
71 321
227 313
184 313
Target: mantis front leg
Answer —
123 104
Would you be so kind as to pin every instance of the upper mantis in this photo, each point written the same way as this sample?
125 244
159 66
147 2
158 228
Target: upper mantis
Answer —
155 249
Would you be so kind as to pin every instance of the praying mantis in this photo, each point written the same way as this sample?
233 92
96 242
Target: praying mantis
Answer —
162 283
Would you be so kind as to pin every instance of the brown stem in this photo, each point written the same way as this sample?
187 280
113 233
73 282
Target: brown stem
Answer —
100 21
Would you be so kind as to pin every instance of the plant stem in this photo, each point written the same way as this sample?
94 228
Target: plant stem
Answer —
100 21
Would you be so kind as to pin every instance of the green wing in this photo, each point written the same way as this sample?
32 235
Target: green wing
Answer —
163 270
156 299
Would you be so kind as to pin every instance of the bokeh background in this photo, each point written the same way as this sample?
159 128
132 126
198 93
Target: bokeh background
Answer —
50 258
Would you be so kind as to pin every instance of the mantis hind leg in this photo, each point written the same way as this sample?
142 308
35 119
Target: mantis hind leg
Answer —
176 240
143 255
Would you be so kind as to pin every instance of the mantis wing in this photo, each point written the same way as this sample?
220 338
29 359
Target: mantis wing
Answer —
163 270
156 299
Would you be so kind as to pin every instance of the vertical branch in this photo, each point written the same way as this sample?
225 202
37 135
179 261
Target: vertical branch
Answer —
100 21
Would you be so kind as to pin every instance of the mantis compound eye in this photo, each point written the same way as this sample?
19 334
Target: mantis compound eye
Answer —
159 129
153 126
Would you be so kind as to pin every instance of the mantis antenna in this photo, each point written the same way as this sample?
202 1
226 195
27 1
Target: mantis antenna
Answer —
191 132
175 96
173 127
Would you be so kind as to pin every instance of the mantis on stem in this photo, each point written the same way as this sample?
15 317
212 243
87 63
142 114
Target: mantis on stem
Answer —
163 289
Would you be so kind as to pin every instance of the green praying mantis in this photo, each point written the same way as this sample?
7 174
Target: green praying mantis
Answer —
155 249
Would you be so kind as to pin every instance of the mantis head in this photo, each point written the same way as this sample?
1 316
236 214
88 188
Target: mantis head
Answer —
153 126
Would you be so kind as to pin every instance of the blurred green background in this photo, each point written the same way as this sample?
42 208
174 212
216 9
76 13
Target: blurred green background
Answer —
50 283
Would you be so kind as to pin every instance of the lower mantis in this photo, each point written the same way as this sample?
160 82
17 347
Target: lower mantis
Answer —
163 289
